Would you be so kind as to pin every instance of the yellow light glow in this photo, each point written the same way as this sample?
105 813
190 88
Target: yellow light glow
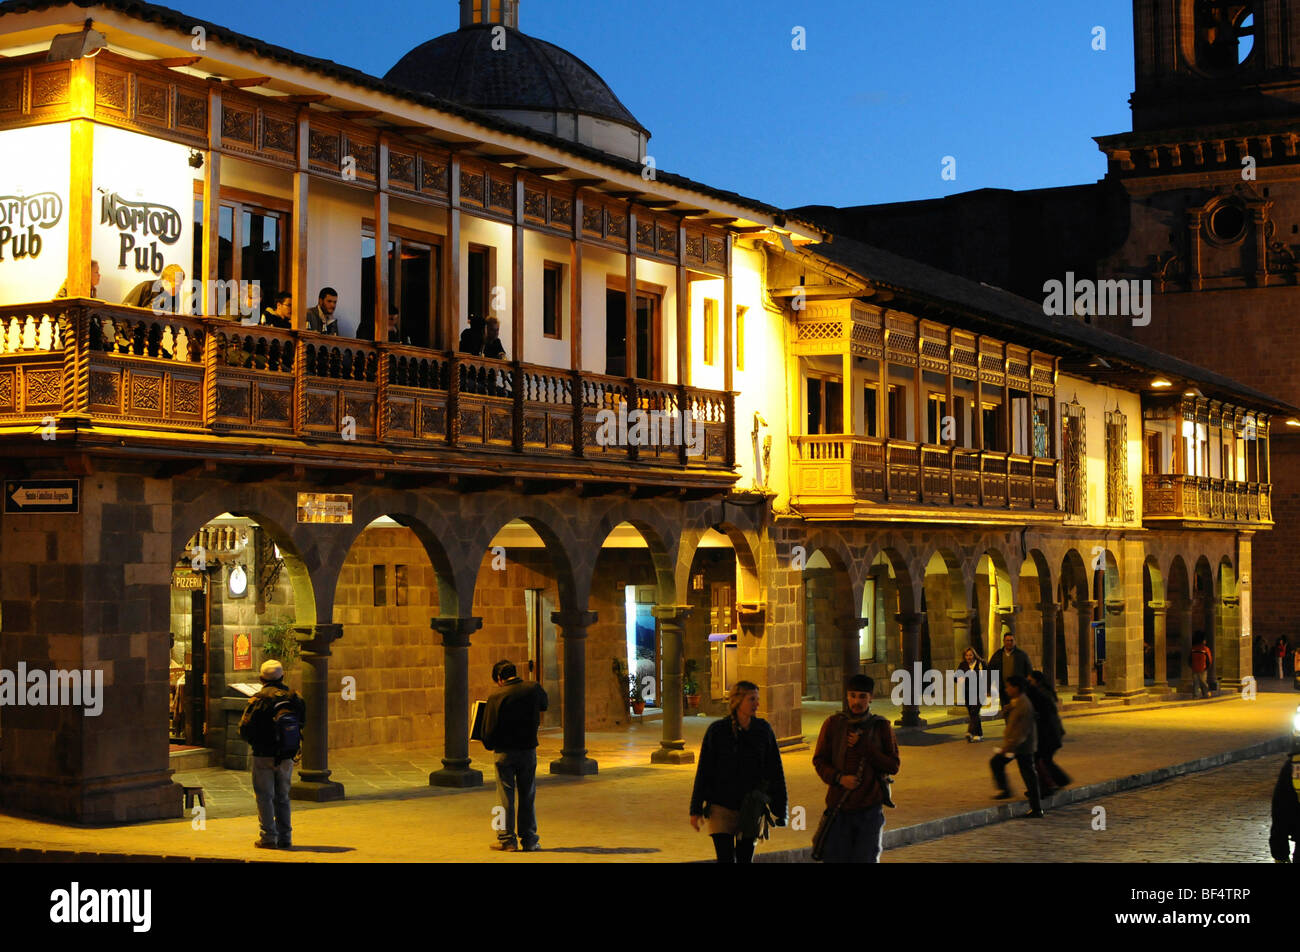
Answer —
1160 382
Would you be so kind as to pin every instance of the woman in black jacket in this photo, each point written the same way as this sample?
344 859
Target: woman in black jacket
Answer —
971 661
739 755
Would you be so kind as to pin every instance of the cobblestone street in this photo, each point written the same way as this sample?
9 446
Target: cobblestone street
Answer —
1219 816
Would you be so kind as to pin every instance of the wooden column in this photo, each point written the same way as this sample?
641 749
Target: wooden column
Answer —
683 311
451 261
882 401
301 178
1007 427
978 416
575 286
81 194
629 350
517 274
918 427
846 391
729 339
951 407
212 208
380 303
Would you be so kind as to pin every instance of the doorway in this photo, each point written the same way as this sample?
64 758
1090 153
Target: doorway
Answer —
647 336
543 659
643 658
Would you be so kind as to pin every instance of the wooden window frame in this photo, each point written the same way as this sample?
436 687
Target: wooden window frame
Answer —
558 302
240 200
710 353
656 293
397 235
741 311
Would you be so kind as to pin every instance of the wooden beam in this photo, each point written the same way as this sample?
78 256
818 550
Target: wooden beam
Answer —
658 203
508 157
380 304
544 169
691 212
355 113
729 338
301 178
81 203
406 130
683 314
581 182
748 229
249 82
517 273
451 261
306 99
629 348
212 202
171 62
575 290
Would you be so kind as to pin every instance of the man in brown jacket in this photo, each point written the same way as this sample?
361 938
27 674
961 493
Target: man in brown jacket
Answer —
1019 742
854 751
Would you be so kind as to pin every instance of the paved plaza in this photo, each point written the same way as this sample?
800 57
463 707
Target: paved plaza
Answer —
634 811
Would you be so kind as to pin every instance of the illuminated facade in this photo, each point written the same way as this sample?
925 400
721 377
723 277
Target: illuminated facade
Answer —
709 420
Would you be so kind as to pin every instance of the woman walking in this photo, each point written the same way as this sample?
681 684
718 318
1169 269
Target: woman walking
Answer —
739 778
971 661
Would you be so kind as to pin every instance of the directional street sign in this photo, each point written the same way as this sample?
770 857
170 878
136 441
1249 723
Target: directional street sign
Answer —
42 495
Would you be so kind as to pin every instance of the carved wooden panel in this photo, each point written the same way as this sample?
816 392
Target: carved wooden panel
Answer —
50 87
434 176
186 397
320 409
360 409
191 113
105 389
152 101
535 429
471 186
238 125
7 390
11 93
471 423
401 417
593 219
111 90
500 426
714 251
502 195
561 211
667 240
433 421
695 247
279 135
232 402
366 157
561 431
401 168
323 147
274 405
645 234
534 204
44 388
146 394
617 225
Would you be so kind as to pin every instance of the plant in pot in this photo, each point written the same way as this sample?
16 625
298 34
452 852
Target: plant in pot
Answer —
634 696
279 642
691 687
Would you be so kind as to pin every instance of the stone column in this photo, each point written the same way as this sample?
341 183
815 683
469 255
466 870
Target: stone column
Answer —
314 781
910 624
573 627
1048 612
1233 654
1159 649
1087 656
672 624
456 771
850 628
1187 611
960 621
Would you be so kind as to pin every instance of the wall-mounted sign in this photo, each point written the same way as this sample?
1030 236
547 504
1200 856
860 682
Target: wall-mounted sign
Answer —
43 495
332 508
137 222
243 652
22 218
187 580
35 172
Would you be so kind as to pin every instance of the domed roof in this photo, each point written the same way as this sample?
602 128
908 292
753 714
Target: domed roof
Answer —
529 74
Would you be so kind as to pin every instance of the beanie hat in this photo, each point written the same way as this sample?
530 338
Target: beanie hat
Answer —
272 670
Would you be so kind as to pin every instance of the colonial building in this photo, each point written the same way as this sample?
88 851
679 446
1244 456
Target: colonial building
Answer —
1201 199
718 442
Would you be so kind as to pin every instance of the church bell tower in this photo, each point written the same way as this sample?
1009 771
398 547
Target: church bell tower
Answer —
490 12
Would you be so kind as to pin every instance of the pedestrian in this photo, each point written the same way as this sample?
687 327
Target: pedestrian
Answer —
272 725
1051 732
971 661
739 780
1286 812
1019 741
856 755
510 721
1200 664
1280 652
1010 661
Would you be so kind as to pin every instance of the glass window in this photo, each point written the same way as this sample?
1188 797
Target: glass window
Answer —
740 337
552 303
710 331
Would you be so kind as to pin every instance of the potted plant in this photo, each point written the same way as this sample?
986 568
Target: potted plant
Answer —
634 696
691 687
279 642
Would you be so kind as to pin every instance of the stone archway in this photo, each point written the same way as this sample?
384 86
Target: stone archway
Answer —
1155 641
994 601
946 628
1037 621
1179 624
1077 614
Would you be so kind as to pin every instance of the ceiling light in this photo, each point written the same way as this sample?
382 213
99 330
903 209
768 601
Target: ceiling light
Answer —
1160 383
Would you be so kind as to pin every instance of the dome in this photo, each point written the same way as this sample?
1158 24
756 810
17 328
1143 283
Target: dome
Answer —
529 81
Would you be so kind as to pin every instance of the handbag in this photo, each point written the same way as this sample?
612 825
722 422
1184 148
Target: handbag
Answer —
755 814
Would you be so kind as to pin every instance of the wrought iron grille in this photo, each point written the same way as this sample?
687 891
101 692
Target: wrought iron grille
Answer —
1074 471
1119 495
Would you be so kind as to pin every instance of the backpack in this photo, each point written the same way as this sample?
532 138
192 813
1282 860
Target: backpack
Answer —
287 727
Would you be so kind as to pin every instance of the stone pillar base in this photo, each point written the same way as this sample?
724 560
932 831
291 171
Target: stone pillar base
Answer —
574 766
1126 694
104 801
1089 694
911 719
456 777
1230 685
1160 689
318 791
669 755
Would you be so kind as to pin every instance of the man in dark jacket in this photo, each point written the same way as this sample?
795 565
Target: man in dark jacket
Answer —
855 754
266 725
1050 733
510 722
1009 662
160 295
1286 812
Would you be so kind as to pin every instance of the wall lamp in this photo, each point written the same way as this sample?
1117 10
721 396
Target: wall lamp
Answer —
73 46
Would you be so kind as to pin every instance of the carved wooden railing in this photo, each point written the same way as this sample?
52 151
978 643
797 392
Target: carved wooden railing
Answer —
844 468
131 367
1171 496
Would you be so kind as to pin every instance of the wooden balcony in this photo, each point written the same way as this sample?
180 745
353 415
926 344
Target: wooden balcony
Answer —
1199 499
844 476
168 385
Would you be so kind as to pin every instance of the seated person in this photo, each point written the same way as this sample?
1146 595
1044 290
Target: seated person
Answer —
159 294
471 338
280 314
322 318
367 329
492 346
247 309
94 281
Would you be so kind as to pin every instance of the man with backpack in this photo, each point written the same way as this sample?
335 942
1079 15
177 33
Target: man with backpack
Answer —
510 721
272 725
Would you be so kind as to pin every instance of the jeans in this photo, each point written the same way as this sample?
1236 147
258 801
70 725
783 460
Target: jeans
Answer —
857 836
974 727
517 778
1028 773
1200 683
271 787
733 849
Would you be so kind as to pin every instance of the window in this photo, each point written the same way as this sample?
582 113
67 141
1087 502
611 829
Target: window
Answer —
479 288
710 331
740 337
251 234
552 299
413 288
1042 424
936 411
991 423
1119 495
825 406
897 411
870 398
1151 440
379 575
1074 470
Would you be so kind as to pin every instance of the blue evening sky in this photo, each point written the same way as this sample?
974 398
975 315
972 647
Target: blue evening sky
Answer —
884 91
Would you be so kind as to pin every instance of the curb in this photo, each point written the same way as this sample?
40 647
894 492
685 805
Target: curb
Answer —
945 826
1084 709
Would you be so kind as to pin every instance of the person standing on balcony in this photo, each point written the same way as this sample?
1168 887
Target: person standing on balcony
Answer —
321 318
1280 652
280 314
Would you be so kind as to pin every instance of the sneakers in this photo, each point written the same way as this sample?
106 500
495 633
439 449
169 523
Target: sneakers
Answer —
1034 815
532 848
265 846
976 738
505 846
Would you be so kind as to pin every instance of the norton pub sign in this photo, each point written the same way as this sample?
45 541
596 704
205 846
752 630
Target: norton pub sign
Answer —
22 218
138 223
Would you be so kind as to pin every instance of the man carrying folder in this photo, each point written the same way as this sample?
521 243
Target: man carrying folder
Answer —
510 722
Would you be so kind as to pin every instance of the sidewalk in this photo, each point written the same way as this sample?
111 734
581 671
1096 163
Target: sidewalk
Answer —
633 811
